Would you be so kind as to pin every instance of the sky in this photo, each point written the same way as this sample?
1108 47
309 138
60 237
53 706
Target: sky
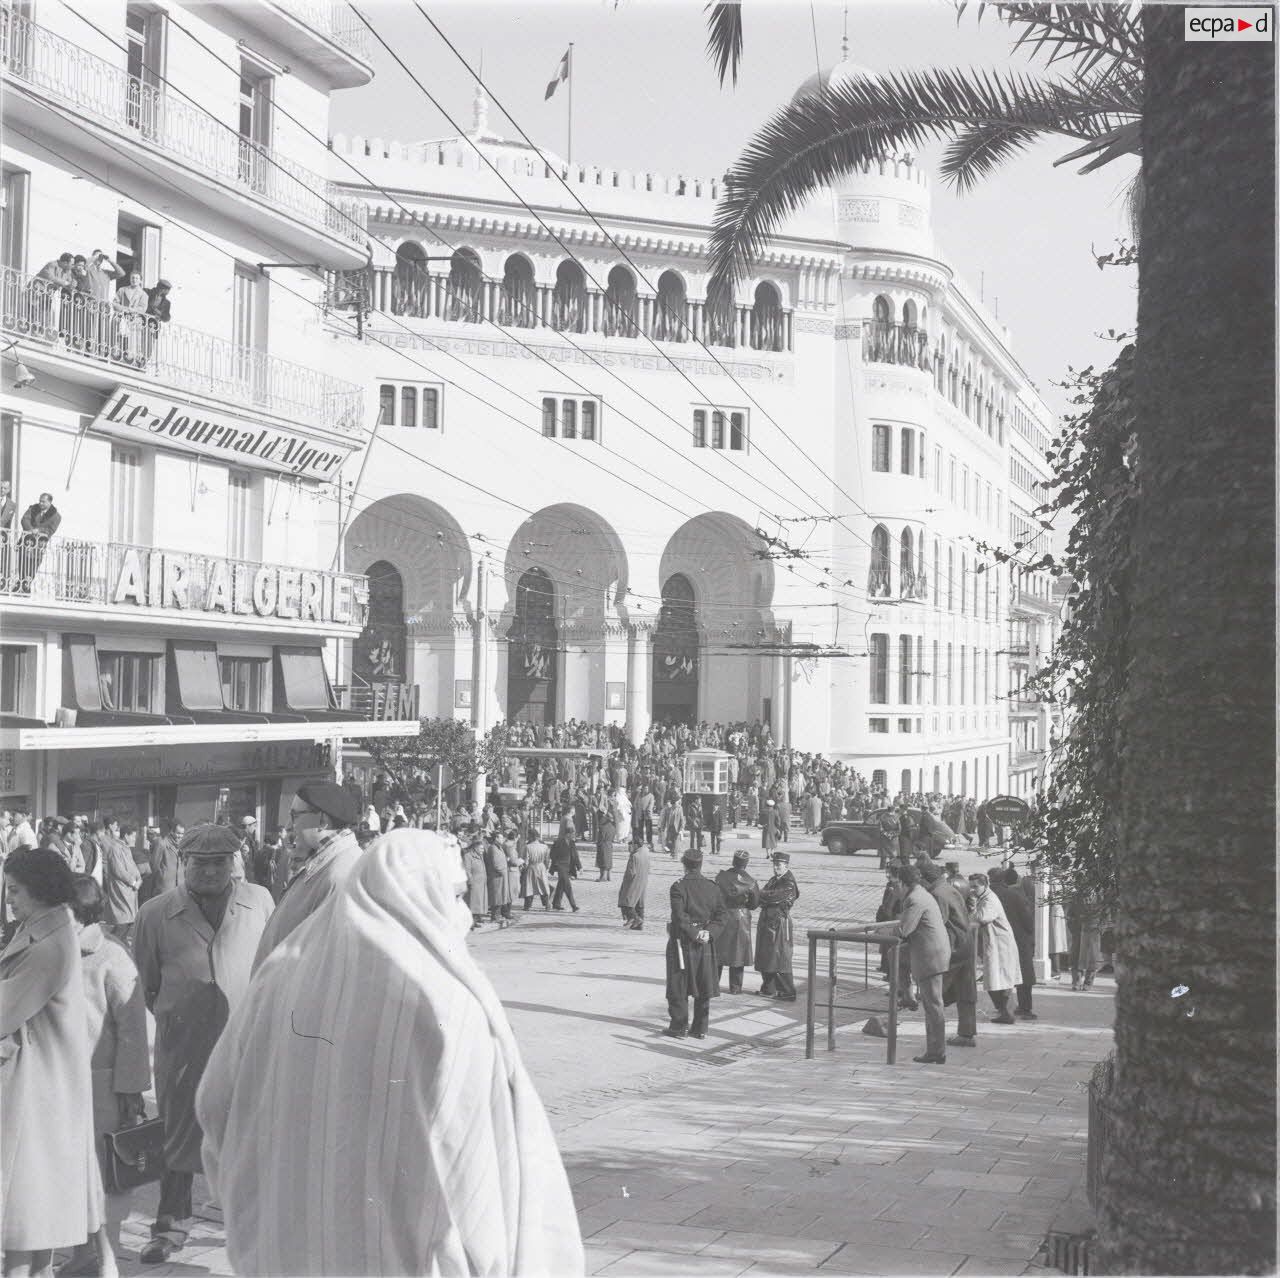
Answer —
646 97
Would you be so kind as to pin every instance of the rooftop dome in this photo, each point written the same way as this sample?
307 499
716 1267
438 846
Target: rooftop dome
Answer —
834 77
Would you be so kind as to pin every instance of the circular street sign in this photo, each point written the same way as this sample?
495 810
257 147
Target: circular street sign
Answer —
1008 809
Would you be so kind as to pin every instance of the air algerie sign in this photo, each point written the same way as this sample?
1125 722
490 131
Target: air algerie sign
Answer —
136 416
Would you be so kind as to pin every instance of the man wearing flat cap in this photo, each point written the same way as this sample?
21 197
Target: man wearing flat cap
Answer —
322 821
741 894
194 946
773 932
697 913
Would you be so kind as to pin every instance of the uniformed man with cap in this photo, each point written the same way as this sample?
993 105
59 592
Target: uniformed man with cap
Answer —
322 818
697 912
773 932
194 947
741 895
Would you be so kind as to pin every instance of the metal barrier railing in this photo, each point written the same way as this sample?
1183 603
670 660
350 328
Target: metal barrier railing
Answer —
868 936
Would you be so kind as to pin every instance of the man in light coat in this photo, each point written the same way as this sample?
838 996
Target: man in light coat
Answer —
921 926
121 879
194 948
1001 968
321 817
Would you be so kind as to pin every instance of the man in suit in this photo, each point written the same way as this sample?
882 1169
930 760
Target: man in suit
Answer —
565 864
960 984
697 912
1022 920
921 926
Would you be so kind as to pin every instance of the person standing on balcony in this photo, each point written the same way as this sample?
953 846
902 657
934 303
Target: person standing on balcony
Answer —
131 301
159 311
100 276
52 281
39 522
8 517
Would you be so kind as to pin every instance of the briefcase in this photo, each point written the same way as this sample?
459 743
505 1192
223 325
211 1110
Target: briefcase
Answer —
134 1156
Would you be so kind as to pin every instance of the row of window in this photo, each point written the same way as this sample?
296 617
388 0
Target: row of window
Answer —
976 591
728 429
959 675
571 419
1025 478
914 782
409 404
909 455
1030 430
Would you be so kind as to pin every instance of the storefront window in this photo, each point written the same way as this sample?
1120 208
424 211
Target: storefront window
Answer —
129 680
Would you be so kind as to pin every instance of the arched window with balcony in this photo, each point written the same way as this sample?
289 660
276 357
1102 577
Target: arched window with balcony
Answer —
569 299
464 298
719 319
879 585
620 306
668 320
768 327
907 564
518 300
410 282
879 344
909 314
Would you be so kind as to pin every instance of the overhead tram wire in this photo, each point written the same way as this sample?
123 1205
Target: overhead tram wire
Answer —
398 350
822 471
425 338
347 217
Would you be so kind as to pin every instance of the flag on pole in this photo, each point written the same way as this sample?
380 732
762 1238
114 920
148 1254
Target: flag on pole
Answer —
562 73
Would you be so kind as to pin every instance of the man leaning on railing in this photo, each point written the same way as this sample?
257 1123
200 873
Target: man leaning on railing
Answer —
39 522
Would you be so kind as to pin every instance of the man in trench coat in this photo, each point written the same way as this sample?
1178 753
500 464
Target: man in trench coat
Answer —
741 895
194 947
773 932
697 912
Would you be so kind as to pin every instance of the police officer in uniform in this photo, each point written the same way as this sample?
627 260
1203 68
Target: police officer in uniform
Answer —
773 932
697 913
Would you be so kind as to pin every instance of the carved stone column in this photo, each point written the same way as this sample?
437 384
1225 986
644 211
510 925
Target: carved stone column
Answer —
639 699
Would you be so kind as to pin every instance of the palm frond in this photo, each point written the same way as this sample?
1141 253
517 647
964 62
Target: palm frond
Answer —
724 37
1088 34
816 139
1125 139
976 152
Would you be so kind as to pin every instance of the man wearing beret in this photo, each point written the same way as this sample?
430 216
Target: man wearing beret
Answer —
697 913
322 820
194 947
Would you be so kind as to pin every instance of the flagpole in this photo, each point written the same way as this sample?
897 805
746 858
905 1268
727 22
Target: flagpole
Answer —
569 65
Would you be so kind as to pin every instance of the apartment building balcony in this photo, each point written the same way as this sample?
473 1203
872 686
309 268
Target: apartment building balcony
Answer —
326 34
901 344
143 132
101 344
1041 605
82 582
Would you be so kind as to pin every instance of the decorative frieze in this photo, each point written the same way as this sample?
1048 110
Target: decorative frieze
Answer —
857 209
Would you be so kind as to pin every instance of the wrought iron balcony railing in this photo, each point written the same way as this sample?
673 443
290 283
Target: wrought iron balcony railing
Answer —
336 21
58 70
37 310
130 578
884 343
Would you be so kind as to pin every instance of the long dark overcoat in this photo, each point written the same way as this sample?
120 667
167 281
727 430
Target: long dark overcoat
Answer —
741 895
696 905
773 932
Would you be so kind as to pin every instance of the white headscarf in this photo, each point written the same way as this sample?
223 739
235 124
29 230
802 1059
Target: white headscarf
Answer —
366 1110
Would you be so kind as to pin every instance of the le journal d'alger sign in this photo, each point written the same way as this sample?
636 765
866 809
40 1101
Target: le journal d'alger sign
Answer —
170 423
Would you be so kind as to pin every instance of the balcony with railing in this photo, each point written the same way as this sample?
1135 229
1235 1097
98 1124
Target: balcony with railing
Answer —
80 575
903 344
114 342
163 128
326 33
410 291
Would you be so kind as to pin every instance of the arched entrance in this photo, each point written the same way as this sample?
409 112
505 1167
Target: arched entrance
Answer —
533 656
675 654
379 655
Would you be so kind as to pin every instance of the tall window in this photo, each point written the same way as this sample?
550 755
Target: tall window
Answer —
569 299
879 670
951 480
13 230
699 428
964 698
126 494
239 515
144 64
975 685
937 573
246 683
256 127
568 419
717 430
588 419
430 408
13 678
129 681
409 406
964 580
549 418
249 326
878 581
881 446
951 688
737 431
905 669
937 678
951 578
937 470
964 488
907 461
517 306
906 565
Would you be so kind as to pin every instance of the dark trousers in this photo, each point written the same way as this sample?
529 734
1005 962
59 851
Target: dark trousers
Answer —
715 842
780 983
542 896
960 986
564 888
678 1007
935 1019
1024 998
174 1211
1001 1000
735 978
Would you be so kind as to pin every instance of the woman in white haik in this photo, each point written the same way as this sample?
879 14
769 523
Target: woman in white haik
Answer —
366 1110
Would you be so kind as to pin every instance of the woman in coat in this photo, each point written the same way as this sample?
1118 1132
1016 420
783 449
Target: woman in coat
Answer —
605 833
535 878
635 879
121 1062
477 876
1001 966
50 1184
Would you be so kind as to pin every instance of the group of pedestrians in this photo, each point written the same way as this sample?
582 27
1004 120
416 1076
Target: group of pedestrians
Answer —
348 1011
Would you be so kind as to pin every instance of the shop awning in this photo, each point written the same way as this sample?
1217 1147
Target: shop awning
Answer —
80 676
195 687
106 737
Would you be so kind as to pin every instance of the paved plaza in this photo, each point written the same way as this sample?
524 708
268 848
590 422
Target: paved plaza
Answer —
737 1155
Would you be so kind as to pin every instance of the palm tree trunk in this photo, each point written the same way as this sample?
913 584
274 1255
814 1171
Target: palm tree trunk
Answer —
1189 1177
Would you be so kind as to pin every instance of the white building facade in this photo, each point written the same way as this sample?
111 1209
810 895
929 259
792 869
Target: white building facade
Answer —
171 647
596 493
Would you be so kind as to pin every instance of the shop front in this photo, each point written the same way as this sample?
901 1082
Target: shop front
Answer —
142 785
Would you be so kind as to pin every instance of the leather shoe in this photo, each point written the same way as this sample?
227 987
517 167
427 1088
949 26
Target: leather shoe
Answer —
1006 1019
929 1060
962 1040
157 1251
1027 1016
672 1032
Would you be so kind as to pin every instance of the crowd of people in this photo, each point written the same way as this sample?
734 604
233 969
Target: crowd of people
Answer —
345 1007
93 305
